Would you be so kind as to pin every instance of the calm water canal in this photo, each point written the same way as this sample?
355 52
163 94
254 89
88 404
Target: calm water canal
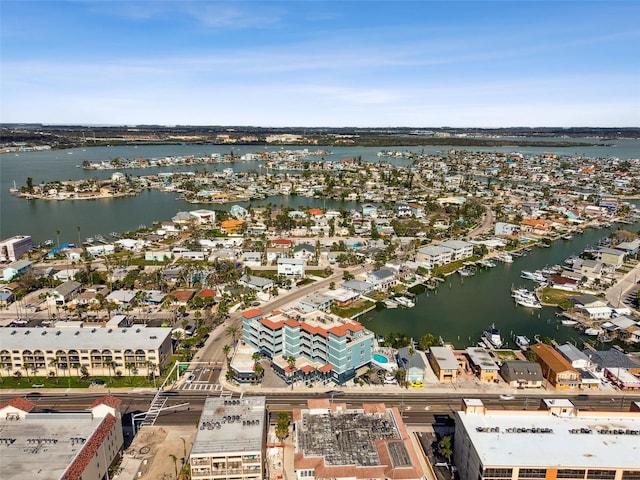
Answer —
463 307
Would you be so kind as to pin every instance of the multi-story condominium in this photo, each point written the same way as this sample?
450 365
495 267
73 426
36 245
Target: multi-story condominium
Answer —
323 345
433 256
459 249
334 442
59 446
103 351
13 248
557 441
230 440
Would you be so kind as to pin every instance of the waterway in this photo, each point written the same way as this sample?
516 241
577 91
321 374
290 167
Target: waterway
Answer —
463 307
42 219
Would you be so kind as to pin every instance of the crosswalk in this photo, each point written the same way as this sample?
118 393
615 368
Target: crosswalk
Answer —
201 386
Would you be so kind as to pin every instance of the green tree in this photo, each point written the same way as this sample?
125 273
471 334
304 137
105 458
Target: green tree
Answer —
446 448
428 340
282 425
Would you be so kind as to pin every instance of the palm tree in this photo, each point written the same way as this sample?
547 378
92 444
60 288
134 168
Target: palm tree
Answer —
54 363
129 367
109 364
58 237
233 332
226 349
26 369
175 463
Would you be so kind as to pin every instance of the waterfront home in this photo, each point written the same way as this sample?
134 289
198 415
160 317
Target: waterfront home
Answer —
16 268
12 249
432 256
613 358
238 212
575 356
592 269
459 249
630 248
483 364
274 253
506 229
291 267
203 216
342 297
369 210
358 286
522 374
231 226
611 256
315 301
414 364
381 279
536 226
101 249
598 313
444 363
555 368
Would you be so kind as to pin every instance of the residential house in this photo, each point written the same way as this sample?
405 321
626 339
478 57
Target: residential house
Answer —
414 364
444 363
259 284
315 302
611 257
16 268
555 368
203 216
358 286
304 251
291 267
381 279
522 374
592 269
64 293
483 364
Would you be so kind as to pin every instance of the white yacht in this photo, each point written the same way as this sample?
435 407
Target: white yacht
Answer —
492 336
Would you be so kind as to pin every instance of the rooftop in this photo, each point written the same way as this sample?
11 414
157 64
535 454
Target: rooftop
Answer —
230 425
541 439
82 338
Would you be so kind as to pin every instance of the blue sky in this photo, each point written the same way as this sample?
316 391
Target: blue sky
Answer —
321 63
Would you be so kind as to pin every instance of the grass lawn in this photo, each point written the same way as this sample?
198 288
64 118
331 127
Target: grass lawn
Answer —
505 355
554 296
73 382
357 307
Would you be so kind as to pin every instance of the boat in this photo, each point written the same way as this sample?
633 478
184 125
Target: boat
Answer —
529 302
592 332
505 257
466 272
487 263
522 342
492 337
390 303
48 243
568 236
404 302
536 276
568 322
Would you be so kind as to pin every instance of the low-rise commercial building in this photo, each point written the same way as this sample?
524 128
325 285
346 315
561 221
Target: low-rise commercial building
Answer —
558 441
59 446
230 440
334 442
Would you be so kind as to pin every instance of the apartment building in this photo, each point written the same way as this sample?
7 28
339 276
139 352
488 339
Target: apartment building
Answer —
103 351
323 345
12 249
230 440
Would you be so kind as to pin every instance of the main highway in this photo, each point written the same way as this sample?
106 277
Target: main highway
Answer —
183 407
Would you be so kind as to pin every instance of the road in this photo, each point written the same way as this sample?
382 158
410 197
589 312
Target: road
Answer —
212 350
485 226
416 408
623 287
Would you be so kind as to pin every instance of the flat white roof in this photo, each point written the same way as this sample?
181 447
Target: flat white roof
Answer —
544 440
33 454
230 425
86 338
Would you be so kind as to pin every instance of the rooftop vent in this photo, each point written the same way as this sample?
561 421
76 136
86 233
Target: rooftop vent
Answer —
58 332
77 333
44 332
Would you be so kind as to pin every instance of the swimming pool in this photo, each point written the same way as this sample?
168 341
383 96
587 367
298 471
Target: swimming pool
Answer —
380 358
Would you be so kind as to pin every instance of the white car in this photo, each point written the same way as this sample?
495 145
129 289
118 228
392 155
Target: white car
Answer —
506 396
